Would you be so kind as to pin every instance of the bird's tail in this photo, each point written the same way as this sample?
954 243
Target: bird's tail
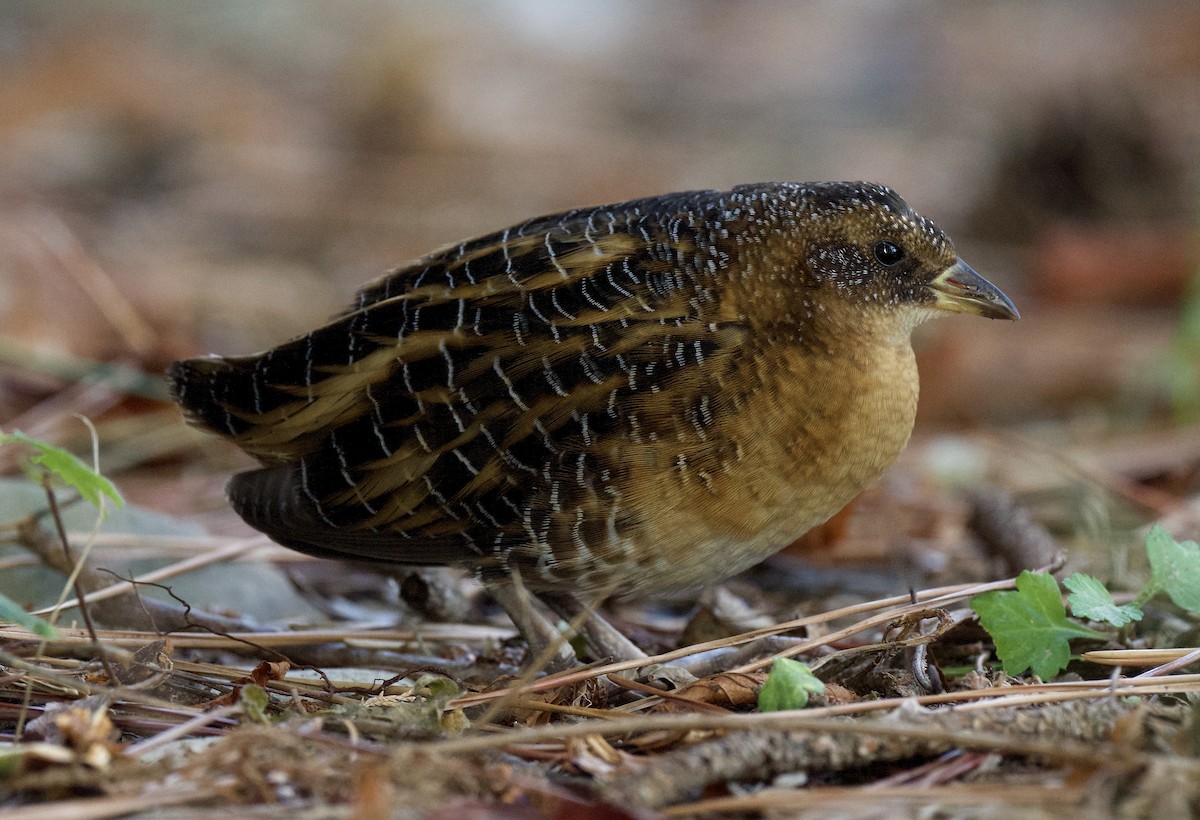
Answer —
211 391
238 399
279 405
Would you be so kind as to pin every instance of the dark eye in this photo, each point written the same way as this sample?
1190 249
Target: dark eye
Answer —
888 253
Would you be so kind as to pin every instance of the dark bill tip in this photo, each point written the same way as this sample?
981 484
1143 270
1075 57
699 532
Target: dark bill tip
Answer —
960 289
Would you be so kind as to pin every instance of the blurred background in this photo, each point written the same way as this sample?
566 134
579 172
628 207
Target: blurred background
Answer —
179 178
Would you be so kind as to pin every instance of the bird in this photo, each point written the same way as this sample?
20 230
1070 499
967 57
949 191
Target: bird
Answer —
633 398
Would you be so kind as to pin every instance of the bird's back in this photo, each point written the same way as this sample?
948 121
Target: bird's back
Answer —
478 406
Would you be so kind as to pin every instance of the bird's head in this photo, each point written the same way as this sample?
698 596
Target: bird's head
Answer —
855 255
866 251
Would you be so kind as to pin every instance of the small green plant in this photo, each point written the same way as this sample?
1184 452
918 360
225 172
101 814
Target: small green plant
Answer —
1174 569
12 612
1030 626
1091 600
67 468
52 463
255 700
788 686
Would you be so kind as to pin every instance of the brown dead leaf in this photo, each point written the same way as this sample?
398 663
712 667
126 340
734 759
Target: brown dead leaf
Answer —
836 694
266 672
726 689
230 698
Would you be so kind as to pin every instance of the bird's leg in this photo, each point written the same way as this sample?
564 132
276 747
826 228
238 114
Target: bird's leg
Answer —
603 639
606 641
548 648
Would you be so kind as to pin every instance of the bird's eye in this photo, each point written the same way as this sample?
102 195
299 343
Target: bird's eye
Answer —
888 253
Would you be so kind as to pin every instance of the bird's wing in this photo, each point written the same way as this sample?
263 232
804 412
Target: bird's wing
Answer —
457 387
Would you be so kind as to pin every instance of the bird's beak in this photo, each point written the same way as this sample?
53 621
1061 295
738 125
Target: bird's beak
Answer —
960 289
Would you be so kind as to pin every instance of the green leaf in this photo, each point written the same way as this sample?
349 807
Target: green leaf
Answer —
438 687
11 761
254 699
1090 599
1030 626
10 610
788 686
1175 567
68 468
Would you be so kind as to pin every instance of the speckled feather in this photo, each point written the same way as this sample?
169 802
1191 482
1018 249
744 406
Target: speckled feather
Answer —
654 394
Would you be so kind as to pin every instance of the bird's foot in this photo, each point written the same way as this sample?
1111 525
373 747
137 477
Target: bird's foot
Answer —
549 650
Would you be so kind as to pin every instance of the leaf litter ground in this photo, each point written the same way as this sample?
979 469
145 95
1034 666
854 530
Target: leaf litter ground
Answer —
419 716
